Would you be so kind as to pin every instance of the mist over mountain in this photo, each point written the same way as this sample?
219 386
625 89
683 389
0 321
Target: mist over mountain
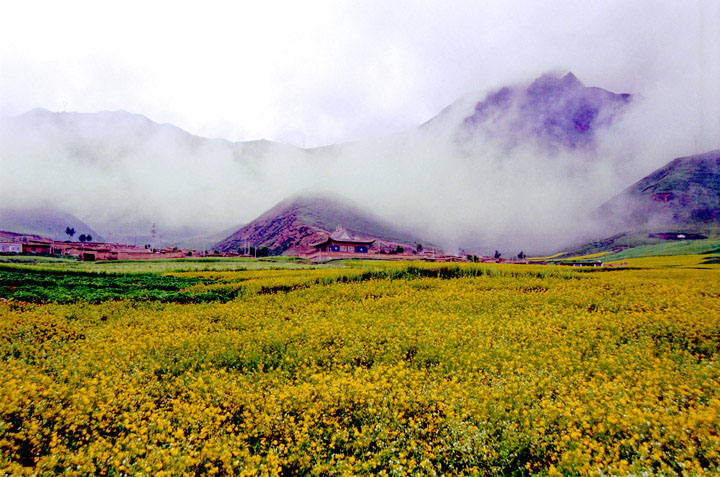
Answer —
519 166
123 172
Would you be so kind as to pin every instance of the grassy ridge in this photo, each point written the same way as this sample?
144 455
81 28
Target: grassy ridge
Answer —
668 248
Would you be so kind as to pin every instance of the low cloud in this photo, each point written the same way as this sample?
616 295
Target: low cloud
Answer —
120 172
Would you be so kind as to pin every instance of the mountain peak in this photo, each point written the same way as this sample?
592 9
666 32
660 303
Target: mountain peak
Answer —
550 84
556 111
571 79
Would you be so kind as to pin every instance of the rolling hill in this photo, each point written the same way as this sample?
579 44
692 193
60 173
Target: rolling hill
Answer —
678 202
684 195
293 224
109 138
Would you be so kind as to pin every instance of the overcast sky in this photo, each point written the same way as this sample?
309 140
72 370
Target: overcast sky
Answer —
312 72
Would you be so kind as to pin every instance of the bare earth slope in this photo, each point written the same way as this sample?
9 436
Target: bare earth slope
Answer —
295 223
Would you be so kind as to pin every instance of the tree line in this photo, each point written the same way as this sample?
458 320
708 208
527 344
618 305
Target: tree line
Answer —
70 231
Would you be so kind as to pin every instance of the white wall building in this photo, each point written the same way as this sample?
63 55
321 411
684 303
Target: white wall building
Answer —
10 247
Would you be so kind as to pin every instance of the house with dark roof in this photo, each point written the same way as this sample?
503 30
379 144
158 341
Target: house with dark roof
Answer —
341 241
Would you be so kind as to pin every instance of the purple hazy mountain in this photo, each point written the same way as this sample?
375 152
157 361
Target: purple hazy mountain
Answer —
555 111
47 222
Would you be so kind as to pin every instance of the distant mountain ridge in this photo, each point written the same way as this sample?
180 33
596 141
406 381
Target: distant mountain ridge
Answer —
137 161
115 134
295 223
49 223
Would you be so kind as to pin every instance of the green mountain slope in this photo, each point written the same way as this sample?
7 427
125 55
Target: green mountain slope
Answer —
683 195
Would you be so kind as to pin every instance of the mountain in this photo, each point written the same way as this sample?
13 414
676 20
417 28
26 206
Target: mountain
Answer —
683 194
116 135
44 222
555 112
113 141
295 223
495 169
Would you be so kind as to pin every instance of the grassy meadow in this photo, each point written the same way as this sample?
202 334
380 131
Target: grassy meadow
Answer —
245 367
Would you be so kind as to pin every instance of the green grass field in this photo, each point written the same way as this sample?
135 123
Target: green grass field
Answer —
154 266
710 247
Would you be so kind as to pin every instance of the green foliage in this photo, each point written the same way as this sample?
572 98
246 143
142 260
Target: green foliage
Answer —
42 286
65 263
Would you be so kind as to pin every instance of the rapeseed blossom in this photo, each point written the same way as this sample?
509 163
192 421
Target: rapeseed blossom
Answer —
388 369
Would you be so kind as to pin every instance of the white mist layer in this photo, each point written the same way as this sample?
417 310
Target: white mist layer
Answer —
121 172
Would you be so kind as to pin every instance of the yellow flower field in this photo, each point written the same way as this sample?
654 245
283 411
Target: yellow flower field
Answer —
373 369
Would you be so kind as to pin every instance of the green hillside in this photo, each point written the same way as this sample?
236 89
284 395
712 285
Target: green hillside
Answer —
684 193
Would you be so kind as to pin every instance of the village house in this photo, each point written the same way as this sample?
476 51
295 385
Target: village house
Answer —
341 244
104 251
37 246
341 241
11 242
